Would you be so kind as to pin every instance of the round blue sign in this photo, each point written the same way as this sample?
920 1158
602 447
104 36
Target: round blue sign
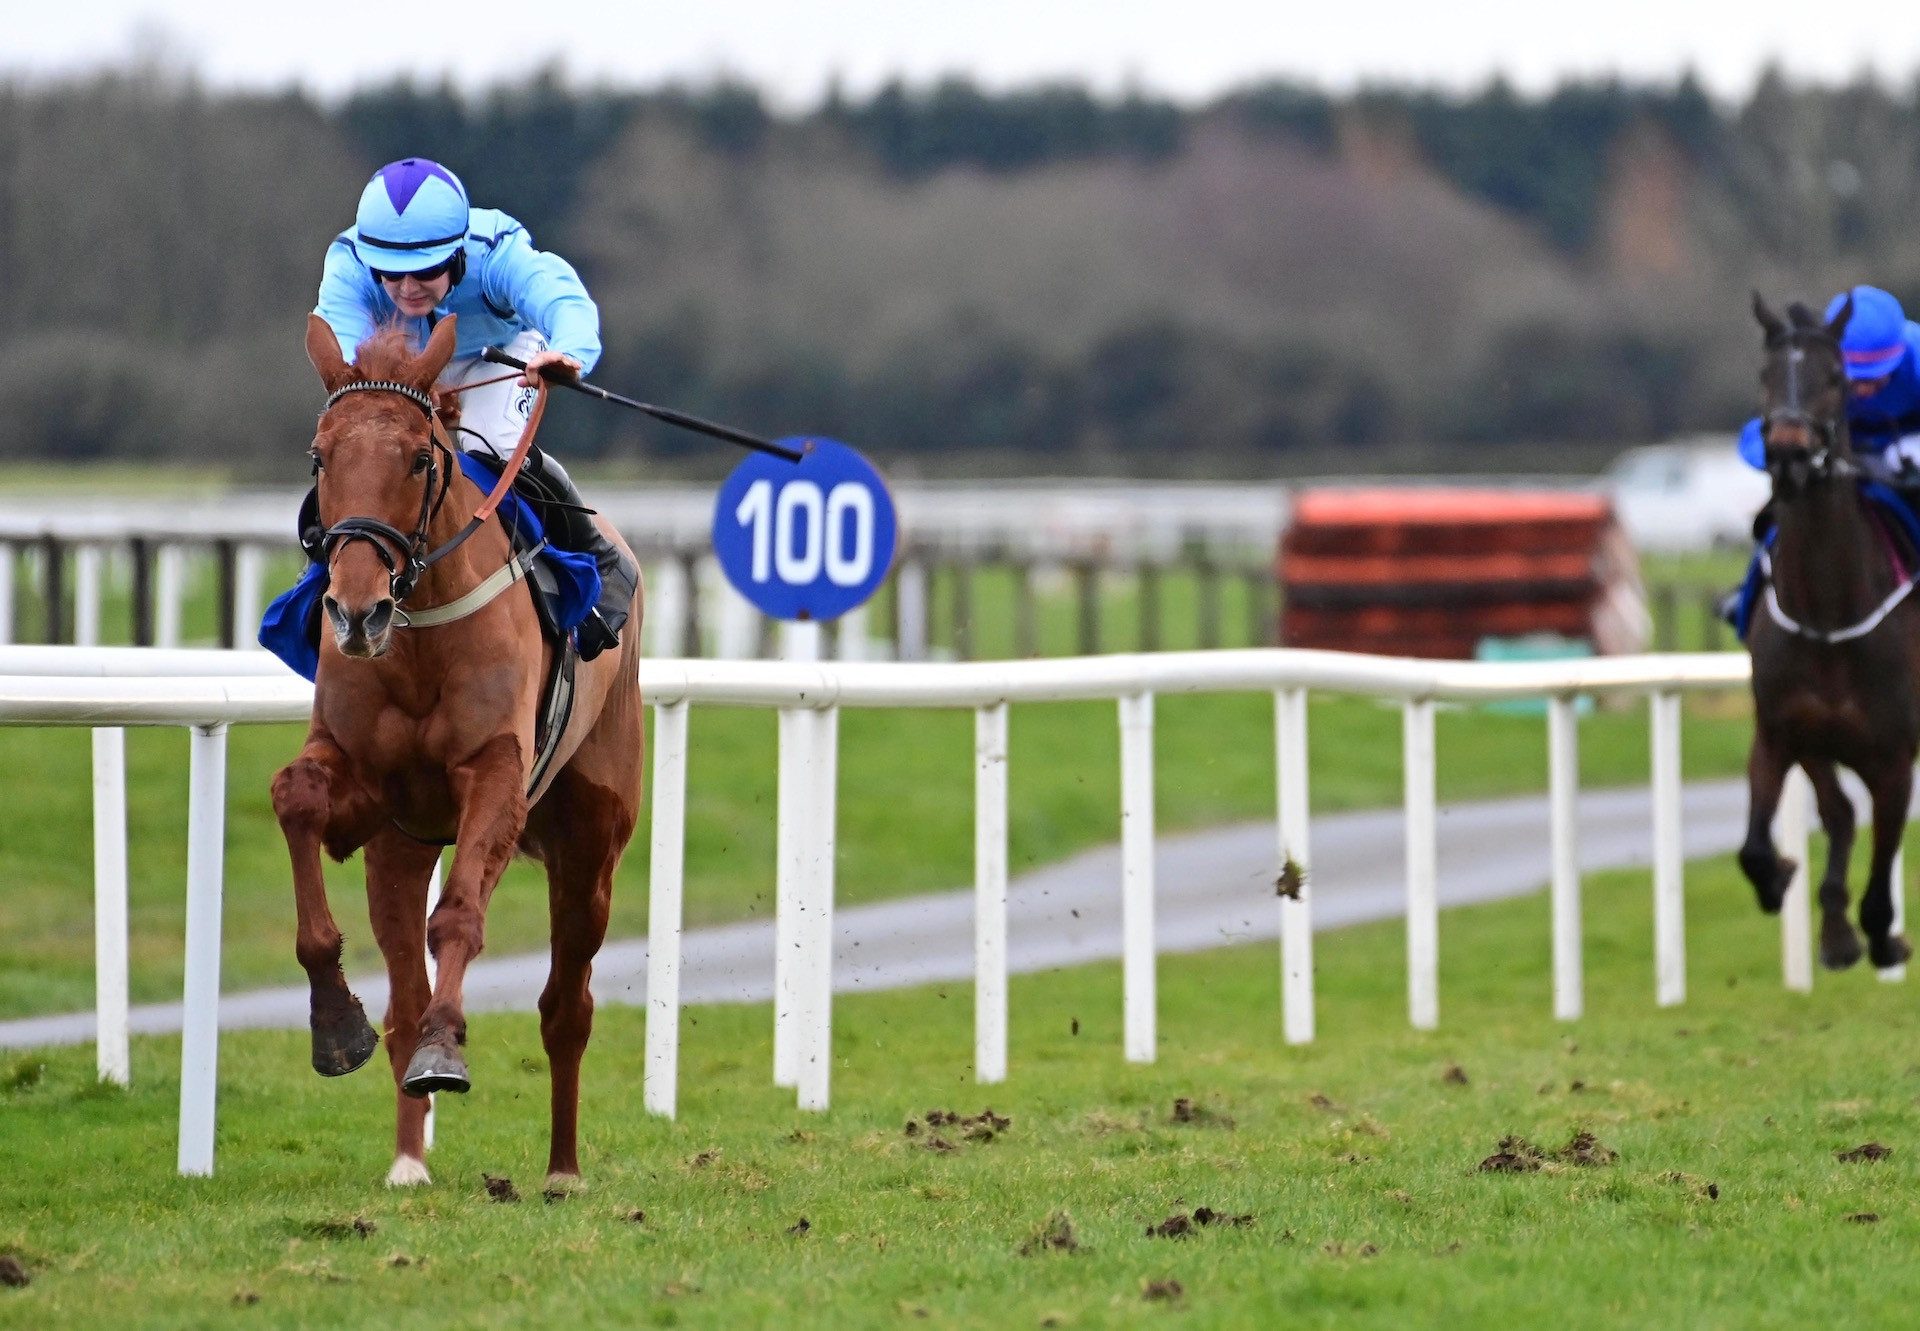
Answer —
805 540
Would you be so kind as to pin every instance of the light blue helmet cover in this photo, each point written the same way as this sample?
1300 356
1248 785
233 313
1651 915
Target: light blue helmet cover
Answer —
412 215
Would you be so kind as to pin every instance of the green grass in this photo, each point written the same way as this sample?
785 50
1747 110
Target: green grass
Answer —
905 825
1355 1156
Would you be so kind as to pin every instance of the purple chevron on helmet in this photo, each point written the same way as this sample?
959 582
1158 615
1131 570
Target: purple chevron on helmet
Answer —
412 215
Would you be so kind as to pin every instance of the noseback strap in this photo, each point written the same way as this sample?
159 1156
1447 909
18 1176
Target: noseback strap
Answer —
407 391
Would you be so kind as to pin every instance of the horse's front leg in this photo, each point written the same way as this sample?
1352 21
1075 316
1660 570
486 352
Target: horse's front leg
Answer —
1839 943
493 810
1892 786
319 805
399 870
1764 866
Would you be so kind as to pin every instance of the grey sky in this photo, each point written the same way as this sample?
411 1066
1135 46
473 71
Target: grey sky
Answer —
1184 48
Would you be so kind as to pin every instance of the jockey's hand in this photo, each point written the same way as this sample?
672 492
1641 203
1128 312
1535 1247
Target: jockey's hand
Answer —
558 366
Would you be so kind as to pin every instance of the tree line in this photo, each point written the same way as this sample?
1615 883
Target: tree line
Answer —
968 279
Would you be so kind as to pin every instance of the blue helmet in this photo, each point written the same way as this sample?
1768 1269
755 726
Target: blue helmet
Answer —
412 215
1875 339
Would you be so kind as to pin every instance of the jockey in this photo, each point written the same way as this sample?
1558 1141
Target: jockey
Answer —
417 251
1881 350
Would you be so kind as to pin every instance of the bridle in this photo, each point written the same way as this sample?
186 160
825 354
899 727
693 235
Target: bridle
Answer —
405 556
1823 462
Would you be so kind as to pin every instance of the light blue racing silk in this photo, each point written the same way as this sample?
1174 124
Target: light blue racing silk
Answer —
509 287
1874 423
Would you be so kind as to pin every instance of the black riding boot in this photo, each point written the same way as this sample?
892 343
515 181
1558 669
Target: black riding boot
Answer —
570 526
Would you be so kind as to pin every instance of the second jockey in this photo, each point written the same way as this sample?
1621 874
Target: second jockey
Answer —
1881 350
419 251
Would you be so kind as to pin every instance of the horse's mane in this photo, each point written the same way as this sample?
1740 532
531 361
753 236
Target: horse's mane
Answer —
387 354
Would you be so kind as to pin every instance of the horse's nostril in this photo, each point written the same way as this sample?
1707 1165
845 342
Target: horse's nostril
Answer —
379 618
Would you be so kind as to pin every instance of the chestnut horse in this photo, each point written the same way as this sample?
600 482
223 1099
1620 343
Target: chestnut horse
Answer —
424 735
1835 641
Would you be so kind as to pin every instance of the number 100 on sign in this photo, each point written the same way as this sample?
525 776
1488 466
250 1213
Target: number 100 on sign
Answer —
806 540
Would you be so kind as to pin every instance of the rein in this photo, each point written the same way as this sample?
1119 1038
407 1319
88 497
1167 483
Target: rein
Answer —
406 557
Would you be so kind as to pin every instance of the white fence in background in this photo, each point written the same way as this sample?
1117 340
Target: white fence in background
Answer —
208 691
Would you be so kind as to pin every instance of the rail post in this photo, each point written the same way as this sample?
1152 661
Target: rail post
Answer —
990 894
200 1014
666 877
1669 865
1136 874
1796 905
1423 900
813 984
1294 880
110 904
1563 789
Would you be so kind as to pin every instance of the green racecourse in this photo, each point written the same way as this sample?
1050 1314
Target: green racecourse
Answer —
1355 1157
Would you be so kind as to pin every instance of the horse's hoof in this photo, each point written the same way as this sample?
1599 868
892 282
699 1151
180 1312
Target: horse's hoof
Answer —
1770 877
1889 951
343 1043
435 1067
408 1172
1840 953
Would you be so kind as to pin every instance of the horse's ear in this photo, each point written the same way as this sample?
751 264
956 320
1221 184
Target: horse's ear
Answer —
323 349
1842 317
433 358
1768 319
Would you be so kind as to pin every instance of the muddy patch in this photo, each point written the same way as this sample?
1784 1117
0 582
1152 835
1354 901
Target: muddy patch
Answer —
357 1228
1864 1154
500 1189
1517 1155
1189 1113
800 1227
1162 1291
1864 1218
13 1272
1179 1225
1693 1183
636 1217
1054 1234
1455 1075
942 1125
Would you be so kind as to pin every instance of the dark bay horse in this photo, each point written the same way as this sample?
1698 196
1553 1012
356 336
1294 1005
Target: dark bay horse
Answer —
424 734
1835 641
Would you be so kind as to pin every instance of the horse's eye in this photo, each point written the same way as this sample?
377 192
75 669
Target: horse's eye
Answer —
420 462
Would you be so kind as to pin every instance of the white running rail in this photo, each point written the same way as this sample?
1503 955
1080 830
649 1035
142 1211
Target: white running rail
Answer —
208 691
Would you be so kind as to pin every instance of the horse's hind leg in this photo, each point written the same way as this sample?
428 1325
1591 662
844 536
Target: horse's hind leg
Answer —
318 804
1839 943
399 870
1765 868
580 868
1892 786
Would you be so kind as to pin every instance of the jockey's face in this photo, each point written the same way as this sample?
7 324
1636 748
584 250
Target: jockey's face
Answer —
414 298
1868 387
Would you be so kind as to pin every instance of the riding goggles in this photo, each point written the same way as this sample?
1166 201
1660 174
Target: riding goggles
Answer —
423 274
